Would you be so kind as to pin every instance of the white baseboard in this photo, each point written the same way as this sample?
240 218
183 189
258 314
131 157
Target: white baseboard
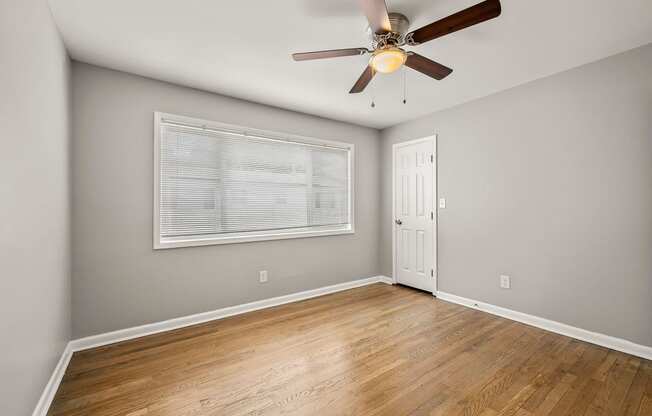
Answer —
614 343
52 386
156 327
386 280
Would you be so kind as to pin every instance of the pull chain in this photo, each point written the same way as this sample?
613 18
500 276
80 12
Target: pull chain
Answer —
404 86
373 89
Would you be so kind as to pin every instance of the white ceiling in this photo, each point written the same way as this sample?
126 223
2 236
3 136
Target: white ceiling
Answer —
242 48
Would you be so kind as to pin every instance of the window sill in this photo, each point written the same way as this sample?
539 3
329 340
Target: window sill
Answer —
209 241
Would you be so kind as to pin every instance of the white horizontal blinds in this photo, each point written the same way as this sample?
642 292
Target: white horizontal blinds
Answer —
217 182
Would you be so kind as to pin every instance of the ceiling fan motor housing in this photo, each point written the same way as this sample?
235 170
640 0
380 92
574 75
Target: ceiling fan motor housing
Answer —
400 24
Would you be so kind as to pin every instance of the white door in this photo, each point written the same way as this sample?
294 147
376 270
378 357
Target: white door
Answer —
414 214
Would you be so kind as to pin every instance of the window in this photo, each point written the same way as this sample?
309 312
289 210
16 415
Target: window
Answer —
217 184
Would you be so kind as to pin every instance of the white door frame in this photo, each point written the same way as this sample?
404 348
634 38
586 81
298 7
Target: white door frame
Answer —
435 206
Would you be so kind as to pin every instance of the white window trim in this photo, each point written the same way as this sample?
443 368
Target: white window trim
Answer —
248 236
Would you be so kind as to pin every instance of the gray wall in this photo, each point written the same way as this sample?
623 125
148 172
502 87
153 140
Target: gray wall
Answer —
551 183
118 279
34 207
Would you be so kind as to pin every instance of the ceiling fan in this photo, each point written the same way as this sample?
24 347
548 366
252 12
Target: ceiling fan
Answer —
388 31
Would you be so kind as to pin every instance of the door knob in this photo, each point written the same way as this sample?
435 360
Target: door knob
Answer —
398 222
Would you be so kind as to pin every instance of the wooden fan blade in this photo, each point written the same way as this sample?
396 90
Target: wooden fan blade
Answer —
468 17
363 81
376 12
427 67
333 53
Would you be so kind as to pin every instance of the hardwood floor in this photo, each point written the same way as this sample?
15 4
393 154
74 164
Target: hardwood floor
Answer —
375 350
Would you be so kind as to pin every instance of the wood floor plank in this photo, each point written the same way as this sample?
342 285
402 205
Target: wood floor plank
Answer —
635 393
370 351
645 407
555 377
611 392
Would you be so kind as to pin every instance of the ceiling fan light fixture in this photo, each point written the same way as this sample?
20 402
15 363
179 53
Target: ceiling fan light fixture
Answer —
388 60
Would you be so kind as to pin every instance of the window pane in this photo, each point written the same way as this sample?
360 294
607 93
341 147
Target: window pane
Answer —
214 182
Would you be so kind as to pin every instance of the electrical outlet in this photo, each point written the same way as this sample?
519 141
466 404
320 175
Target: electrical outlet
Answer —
262 276
505 282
